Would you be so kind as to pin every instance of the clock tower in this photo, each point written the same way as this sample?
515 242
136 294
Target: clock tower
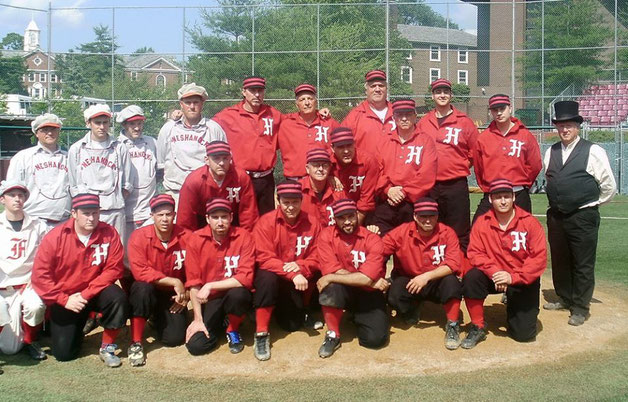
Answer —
31 37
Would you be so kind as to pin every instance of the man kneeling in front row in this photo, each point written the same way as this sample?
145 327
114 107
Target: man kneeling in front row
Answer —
426 261
508 252
219 269
352 265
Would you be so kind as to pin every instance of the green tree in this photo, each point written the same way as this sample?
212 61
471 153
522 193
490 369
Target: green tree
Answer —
144 49
12 70
420 13
13 41
294 30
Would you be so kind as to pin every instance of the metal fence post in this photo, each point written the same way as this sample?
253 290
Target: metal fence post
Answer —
49 106
253 40
387 37
318 52
512 58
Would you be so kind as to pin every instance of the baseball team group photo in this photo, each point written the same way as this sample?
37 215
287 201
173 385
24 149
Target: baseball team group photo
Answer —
399 238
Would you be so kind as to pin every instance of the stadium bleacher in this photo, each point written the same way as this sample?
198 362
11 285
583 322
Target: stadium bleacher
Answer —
597 104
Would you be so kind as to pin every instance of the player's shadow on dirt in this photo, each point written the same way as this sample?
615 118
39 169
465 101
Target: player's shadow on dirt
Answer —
550 296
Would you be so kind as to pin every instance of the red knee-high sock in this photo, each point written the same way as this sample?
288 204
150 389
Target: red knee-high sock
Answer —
332 317
109 336
234 322
262 318
30 333
452 309
137 329
476 311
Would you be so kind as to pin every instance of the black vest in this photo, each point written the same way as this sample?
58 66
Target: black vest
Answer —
569 186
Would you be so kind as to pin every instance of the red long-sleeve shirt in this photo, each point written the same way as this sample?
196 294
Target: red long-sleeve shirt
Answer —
320 209
296 137
209 261
414 254
454 139
278 242
251 136
520 249
64 266
361 252
199 187
411 165
150 261
515 156
359 178
367 128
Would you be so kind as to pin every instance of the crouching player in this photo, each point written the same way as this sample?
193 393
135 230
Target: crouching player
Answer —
508 254
75 271
352 264
285 240
157 257
426 261
219 273
21 310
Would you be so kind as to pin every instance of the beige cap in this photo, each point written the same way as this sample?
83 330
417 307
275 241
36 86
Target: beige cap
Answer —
100 109
8 185
45 120
192 89
130 113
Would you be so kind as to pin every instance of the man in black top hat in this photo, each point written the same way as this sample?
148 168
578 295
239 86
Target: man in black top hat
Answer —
579 179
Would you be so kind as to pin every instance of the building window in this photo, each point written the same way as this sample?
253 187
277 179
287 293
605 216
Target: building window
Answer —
42 77
463 77
53 77
160 80
409 56
133 75
434 74
31 77
37 61
406 74
434 53
463 56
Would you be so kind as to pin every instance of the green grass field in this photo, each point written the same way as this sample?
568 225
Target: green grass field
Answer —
588 375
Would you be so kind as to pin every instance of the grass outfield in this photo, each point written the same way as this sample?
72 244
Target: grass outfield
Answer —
589 375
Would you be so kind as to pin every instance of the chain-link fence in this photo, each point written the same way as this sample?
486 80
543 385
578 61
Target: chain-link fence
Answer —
538 52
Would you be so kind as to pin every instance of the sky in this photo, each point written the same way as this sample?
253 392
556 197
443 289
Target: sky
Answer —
159 28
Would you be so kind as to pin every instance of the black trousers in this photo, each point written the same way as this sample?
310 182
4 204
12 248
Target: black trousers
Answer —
148 301
273 290
522 200
522 309
235 301
387 217
66 327
438 291
264 188
370 314
454 207
573 244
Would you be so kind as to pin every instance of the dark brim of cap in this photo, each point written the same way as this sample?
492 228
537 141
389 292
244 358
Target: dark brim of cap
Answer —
17 187
501 190
290 195
431 213
161 204
496 105
218 153
346 212
343 142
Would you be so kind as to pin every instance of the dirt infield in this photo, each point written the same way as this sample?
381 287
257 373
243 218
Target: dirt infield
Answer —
412 351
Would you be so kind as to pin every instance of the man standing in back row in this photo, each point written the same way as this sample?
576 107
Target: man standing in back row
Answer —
579 179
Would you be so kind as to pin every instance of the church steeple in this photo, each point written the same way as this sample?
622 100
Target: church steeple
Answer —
31 37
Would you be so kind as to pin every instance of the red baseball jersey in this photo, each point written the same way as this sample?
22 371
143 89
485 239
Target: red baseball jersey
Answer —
252 136
367 128
320 208
359 178
64 265
296 137
454 139
515 156
414 254
150 261
411 165
278 242
210 261
361 251
520 249
199 187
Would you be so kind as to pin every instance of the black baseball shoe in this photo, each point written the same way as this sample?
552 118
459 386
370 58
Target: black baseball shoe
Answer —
411 317
90 325
330 344
35 351
475 336
235 342
559 305
577 319
136 355
261 346
452 335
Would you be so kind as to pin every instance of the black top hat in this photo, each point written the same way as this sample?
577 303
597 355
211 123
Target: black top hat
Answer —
566 111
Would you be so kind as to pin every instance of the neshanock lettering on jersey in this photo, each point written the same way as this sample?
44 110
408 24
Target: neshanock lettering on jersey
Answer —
140 154
97 159
50 165
187 137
